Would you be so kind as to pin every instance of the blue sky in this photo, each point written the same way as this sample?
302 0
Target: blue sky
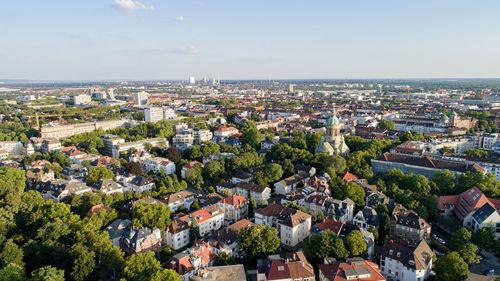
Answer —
169 39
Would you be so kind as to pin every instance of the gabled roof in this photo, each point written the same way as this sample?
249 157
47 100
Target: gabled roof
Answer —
416 258
348 177
354 270
234 200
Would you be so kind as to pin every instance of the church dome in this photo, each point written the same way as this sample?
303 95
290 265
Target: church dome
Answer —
333 120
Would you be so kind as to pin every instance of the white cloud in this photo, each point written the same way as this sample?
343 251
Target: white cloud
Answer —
181 18
130 5
188 50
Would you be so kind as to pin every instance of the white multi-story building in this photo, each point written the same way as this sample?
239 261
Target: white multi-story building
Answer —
156 164
404 263
258 192
12 147
209 219
81 99
182 198
141 98
235 208
155 114
116 149
293 225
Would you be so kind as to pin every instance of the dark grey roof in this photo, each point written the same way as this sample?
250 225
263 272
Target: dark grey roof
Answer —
483 213
140 181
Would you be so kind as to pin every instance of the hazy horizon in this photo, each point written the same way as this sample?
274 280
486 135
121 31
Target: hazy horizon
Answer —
159 40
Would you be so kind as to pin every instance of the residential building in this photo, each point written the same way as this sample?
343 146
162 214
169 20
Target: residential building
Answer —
465 206
366 218
116 230
241 176
407 225
140 240
138 184
226 239
333 226
107 186
294 267
399 261
13 147
220 273
188 262
155 114
138 145
235 208
141 98
291 183
293 225
109 142
340 210
59 188
50 144
226 132
363 270
156 165
181 198
258 192
189 166
81 99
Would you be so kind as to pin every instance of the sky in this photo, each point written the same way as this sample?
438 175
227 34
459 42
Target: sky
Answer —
280 39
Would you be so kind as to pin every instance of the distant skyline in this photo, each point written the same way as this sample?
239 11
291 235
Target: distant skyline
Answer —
169 39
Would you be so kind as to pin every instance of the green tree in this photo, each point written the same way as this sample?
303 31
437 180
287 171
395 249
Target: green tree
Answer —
251 135
324 244
226 192
134 168
195 206
12 272
288 168
252 206
113 259
469 253
151 215
386 124
173 154
444 180
12 181
99 173
459 239
145 267
224 259
11 254
259 241
355 243
451 267
483 237
194 230
48 273
312 140
384 227
269 174
213 170
83 264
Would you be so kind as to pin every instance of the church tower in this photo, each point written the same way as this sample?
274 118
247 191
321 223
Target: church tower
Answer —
333 141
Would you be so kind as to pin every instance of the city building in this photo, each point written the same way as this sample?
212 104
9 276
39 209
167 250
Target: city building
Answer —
158 164
407 225
155 114
293 225
220 273
140 240
399 261
333 141
124 147
294 267
235 208
81 99
362 270
141 98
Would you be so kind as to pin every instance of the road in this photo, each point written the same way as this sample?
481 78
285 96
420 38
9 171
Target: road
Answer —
489 262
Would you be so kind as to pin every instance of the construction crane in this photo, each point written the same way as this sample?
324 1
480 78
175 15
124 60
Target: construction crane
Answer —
56 115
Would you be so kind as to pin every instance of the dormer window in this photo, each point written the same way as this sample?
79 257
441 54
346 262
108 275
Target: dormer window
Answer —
281 268
399 254
411 262
390 252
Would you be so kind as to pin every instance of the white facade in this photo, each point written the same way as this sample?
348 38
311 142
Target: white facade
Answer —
157 163
155 114
392 268
81 99
12 147
141 98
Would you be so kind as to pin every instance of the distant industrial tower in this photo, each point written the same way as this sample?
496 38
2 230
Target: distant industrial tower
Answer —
192 80
290 88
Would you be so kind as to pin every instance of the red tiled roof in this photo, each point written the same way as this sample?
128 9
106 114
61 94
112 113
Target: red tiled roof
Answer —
338 271
332 225
234 200
348 177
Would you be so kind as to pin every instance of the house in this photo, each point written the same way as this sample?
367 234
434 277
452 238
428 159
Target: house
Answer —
362 270
189 166
399 261
235 208
301 168
225 185
407 225
37 176
188 262
220 273
182 198
293 225
373 198
466 204
241 176
226 238
486 216
318 184
138 184
333 226
209 219
258 192
366 218
116 230
294 267
291 183
156 165
315 203
59 188
348 177
226 132
107 186
74 171
369 239
267 144
298 197
50 144
139 240
340 210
